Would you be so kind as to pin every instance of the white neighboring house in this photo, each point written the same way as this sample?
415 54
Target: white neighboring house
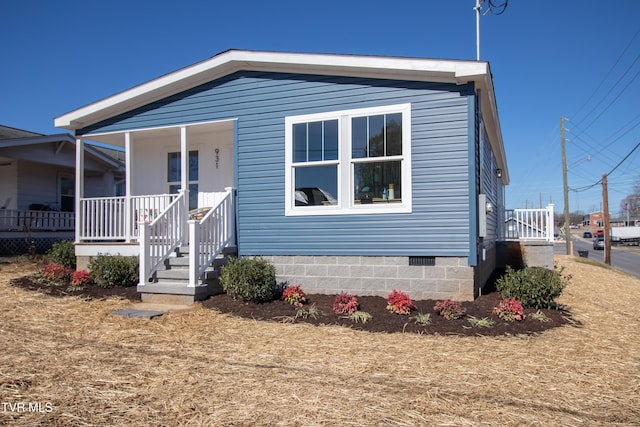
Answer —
37 186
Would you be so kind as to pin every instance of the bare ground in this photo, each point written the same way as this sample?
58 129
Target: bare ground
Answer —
80 365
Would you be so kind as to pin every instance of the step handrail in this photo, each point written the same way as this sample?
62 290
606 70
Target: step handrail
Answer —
210 235
160 238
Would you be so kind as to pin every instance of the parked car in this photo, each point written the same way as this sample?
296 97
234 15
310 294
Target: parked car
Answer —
598 243
599 233
587 235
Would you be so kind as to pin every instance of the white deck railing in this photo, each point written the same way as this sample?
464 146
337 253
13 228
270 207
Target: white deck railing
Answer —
112 218
161 237
11 219
210 235
530 224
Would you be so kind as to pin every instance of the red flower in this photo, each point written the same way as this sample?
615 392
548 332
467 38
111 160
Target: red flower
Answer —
399 302
509 309
56 272
345 304
294 295
450 309
80 278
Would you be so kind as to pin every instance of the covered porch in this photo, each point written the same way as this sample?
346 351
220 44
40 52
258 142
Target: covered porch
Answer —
178 194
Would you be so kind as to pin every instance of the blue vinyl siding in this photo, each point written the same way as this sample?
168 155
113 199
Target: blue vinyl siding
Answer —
493 188
440 222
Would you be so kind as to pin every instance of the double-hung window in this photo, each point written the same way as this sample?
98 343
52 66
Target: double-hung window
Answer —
353 161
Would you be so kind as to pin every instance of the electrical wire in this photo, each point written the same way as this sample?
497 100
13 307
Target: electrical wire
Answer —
502 7
579 190
607 75
495 9
614 99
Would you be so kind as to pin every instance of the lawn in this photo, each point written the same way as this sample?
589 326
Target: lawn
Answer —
79 365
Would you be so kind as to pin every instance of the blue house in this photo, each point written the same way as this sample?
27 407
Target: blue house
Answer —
349 173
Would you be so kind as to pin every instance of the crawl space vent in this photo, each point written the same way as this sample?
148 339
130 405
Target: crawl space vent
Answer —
422 260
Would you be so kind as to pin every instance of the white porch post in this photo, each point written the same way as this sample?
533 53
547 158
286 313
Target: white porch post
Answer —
79 188
184 178
194 253
128 214
143 243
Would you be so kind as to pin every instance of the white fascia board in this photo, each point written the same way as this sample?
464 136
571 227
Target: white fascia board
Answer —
228 62
492 121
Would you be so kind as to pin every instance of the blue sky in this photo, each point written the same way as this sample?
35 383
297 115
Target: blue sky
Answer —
573 58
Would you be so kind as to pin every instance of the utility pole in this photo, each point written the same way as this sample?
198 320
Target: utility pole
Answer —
567 230
607 229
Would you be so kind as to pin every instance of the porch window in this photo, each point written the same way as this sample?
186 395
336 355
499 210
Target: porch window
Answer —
67 185
354 161
174 173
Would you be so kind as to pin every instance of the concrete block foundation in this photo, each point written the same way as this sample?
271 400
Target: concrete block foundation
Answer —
449 278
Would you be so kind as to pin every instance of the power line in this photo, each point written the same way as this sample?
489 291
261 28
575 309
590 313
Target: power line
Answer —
579 190
608 73
614 99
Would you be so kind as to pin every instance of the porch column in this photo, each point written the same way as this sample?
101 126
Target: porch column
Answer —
79 188
128 211
184 179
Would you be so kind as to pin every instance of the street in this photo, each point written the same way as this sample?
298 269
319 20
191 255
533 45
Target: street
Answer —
625 258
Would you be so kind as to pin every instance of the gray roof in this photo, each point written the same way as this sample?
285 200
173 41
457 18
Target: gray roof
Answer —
7 132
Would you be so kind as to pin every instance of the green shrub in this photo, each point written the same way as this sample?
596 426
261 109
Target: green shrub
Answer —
249 279
63 253
536 287
108 271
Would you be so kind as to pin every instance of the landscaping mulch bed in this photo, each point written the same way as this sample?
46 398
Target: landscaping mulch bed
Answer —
87 292
384 321
381 320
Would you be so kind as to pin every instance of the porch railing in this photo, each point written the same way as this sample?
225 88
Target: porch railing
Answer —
161 237
210 235
112 218
12 219
529 224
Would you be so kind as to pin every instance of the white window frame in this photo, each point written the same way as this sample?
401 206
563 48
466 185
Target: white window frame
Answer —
345 162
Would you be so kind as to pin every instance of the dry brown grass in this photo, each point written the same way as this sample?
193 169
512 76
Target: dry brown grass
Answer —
204 368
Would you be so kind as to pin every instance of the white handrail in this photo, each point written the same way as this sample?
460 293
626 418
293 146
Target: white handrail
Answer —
161 237
210 235
105 218
530 224
101 218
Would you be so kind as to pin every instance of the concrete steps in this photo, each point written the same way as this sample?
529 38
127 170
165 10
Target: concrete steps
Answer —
171 283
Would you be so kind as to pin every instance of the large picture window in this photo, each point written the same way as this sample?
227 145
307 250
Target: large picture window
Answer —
354 161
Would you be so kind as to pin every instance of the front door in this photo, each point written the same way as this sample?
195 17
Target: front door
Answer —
174 170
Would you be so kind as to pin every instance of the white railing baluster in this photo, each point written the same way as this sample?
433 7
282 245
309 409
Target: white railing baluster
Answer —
159 238
530 224
116 218
210 235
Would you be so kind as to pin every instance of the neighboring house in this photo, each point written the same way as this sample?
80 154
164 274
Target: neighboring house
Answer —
350 173
37 187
